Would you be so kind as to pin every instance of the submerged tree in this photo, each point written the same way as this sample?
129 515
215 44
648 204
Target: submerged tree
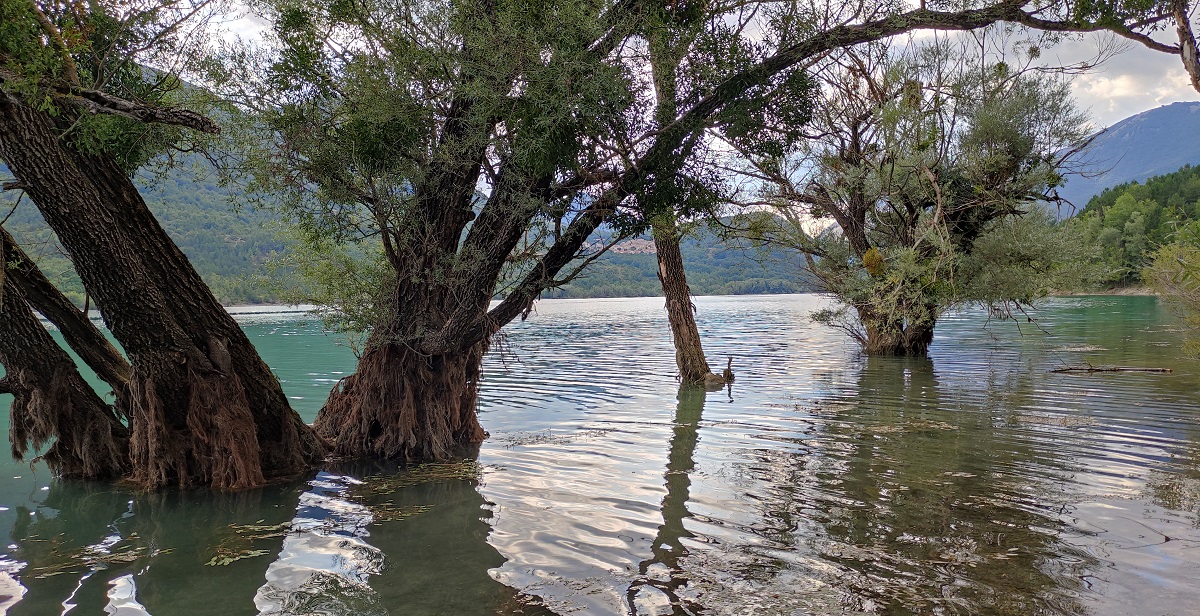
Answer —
52 404
481 145
919 189
79 114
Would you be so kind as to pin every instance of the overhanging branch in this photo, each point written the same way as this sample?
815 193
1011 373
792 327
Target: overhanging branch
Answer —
97 102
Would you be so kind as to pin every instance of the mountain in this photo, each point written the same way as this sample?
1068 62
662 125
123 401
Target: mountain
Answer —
229 242
1151 143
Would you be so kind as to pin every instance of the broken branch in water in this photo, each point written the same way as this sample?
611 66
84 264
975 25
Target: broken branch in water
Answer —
1089 369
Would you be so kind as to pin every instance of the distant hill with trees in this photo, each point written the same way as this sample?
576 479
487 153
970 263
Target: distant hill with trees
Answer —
231 242
1137 148
714 267
1130 221
228 244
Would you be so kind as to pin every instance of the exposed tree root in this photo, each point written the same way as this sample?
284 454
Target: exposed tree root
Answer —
53 406
210 441
86 439
402 405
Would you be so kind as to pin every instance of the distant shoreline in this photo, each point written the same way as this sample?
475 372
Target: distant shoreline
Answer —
1133 291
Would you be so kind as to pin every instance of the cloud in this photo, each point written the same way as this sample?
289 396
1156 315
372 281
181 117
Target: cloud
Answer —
1130 82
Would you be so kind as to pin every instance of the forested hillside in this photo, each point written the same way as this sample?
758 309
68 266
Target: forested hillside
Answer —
1130 221
713 268
230 243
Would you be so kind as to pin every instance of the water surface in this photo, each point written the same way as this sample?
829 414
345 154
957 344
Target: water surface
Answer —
822 482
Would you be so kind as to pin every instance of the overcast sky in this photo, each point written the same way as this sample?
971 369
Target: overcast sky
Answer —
1132 82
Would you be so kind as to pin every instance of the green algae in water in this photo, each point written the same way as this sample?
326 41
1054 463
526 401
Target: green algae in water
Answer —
91 558
373 485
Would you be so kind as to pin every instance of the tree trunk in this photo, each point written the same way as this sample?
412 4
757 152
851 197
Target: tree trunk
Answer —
81 335
896 334
205 409
681 312
403 405
52 403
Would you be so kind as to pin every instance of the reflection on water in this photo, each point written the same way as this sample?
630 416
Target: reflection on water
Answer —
822 482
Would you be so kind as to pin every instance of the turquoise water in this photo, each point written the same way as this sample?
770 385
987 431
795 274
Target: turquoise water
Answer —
822 482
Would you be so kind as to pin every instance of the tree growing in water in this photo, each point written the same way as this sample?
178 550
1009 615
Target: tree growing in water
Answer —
79 114
920 189
480 149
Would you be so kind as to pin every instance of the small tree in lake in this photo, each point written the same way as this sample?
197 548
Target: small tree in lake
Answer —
922 188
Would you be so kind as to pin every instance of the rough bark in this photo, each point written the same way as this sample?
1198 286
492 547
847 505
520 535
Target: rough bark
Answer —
401 404
81 335
205 409
1187 41
681 312
52 403
896 335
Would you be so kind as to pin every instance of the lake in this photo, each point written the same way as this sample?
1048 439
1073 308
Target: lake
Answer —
821 482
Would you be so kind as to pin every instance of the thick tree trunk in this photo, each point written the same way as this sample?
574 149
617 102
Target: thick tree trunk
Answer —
52 403
681 312
81 335
403 405
205 409
897 335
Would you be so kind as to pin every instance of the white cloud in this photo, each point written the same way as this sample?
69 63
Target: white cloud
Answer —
1131 82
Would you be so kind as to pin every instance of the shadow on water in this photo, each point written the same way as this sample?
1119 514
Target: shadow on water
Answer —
354 540
663 571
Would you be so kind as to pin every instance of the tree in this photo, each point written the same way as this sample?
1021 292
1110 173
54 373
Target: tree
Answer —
1174 273
78 114
917 161
52 403
383 120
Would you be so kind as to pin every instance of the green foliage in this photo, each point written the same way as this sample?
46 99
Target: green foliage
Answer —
48 48
228 245
347 282
1175 274
922 193
1126 224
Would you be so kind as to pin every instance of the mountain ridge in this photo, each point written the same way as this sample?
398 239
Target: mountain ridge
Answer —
1137 148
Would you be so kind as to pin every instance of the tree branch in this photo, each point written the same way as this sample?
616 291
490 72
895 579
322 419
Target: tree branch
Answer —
1187 41
97 102
1047 25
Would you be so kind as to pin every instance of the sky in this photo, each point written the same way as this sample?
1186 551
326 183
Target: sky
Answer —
1134 81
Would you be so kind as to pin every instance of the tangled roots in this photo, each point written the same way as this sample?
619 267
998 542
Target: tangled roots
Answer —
403 405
